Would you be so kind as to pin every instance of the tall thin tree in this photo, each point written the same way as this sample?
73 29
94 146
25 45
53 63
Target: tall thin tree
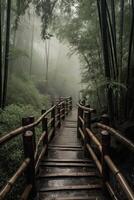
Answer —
0 59
7 46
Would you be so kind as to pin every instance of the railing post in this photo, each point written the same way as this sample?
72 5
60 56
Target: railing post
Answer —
106 140
70 104
53 122
79 123
31 120
66 106
59 118
45 128
64 110
87 124
105 119
29 151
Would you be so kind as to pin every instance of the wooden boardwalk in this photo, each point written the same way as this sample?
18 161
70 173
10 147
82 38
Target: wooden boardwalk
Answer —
66 173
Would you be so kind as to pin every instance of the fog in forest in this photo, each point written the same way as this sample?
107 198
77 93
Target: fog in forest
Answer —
47 64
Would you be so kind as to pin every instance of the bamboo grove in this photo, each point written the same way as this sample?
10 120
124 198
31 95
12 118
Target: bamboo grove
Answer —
100 32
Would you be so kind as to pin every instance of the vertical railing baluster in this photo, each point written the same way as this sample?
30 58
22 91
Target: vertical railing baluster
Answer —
66 106
106 140
71 103
45 128
53 122
64 111
59 118
87 124
79 123
31 120
29 150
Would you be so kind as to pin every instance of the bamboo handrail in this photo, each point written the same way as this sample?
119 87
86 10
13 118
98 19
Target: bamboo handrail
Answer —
82 120
31 148
22 129
111 191
40 157
38 144
106 165
81 132
91 110
14 178
97 162
50 121
50 134
94 139
120 178
116 134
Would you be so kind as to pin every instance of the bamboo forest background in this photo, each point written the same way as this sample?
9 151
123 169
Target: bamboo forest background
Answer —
52 48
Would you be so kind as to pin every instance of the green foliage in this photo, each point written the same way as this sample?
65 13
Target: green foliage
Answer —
12 152
23 91
10 117
16 52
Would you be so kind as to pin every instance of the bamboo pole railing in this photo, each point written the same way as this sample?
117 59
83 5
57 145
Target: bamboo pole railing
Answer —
104 163
30 165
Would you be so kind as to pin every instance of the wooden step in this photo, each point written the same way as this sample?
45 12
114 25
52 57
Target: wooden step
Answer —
64 149
71 187
53 164
74 198
65 146
68 160
79 198
69 175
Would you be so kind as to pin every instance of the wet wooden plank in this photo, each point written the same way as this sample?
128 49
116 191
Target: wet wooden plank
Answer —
70 175
64 149
68 160
72 187
65 146
52 164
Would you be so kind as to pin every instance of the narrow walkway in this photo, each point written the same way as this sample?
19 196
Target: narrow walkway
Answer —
66 174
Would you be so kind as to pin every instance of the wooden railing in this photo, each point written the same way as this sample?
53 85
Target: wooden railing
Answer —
51 120
99 136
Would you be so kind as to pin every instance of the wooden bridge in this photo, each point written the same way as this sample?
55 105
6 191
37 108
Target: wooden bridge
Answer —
71 159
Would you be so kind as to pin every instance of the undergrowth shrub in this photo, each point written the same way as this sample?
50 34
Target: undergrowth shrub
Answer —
11 153
23 91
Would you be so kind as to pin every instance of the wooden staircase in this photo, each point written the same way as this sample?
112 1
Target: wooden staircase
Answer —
66 173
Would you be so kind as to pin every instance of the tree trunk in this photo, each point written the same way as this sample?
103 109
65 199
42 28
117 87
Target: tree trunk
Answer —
0 59
6 53
106 53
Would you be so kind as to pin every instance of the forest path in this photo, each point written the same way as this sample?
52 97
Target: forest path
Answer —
66 173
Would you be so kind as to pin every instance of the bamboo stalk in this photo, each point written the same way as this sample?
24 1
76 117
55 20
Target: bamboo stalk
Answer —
14 178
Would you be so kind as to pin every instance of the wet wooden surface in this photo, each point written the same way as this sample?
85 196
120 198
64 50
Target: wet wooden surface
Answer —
66 174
